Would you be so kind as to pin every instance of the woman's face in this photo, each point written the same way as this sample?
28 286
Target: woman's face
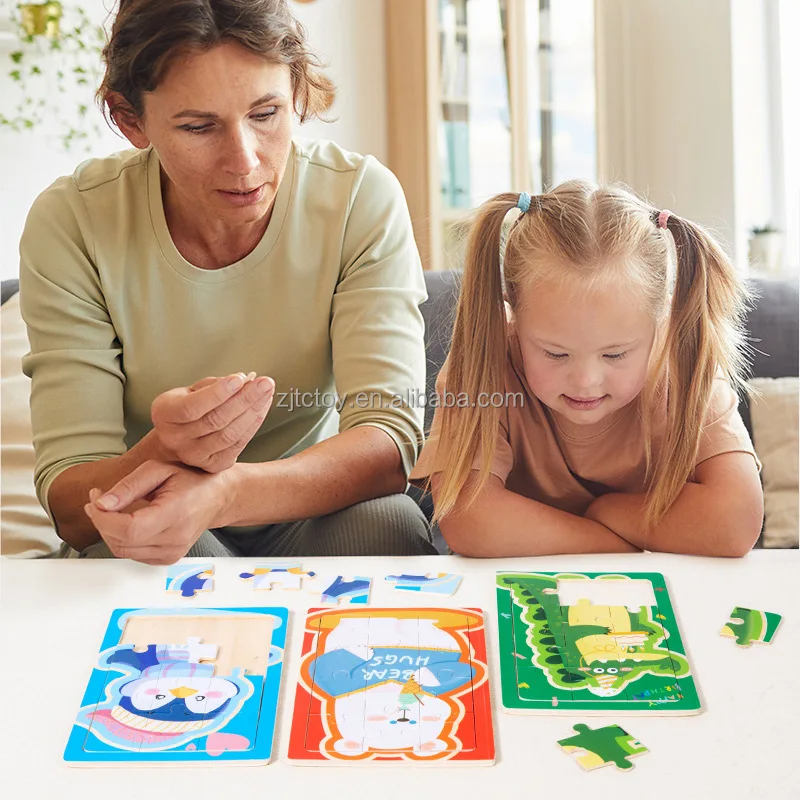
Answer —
221 123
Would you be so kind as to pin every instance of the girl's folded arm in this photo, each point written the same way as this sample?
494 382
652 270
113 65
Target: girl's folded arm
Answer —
501 523
719 514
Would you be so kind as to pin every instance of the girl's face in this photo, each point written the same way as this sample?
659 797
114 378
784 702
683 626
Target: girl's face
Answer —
221 123
585 353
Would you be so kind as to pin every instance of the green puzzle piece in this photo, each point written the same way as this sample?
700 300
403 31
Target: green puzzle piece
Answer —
609 745
748 625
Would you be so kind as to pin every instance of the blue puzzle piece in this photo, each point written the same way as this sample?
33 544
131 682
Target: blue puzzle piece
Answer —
443 583
189 579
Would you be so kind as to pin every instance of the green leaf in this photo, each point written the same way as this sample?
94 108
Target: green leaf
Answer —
16 56
15 75
36 70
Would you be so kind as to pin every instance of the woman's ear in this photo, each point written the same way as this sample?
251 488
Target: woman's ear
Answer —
127 120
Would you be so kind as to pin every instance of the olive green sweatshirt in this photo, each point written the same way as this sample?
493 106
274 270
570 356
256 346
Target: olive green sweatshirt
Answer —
327 304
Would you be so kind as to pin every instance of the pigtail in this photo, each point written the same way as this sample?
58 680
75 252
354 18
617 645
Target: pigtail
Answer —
476 363
705 339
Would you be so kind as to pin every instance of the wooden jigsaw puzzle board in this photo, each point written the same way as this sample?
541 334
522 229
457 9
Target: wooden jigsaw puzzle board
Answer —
243 640
392 686
172 686
621 652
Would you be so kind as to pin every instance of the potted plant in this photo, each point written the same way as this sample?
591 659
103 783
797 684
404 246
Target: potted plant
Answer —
56 65
764 251
41 19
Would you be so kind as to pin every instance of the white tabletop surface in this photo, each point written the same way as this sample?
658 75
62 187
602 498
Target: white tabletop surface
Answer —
744 744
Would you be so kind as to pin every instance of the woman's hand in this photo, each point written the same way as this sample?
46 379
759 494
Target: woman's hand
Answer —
208 424
181 503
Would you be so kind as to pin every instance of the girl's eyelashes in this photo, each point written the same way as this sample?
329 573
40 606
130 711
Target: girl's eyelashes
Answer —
562 356
262 116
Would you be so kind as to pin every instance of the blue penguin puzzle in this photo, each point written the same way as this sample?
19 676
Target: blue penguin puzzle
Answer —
208 696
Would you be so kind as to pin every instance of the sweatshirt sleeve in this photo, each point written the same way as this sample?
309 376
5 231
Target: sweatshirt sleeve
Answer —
75 358
376 324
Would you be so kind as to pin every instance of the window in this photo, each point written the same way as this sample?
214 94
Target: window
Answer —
785 26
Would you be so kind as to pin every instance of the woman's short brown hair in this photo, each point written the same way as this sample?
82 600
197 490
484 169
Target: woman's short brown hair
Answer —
148 35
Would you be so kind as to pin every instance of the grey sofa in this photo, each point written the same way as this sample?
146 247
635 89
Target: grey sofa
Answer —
772 324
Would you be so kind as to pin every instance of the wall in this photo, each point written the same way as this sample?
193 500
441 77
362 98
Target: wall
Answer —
682 95
347 34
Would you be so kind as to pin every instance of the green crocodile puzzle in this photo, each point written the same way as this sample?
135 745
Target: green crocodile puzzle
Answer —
609 745
748 625
585 657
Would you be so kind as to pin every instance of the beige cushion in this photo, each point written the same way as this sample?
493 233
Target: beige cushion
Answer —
25 530
775 424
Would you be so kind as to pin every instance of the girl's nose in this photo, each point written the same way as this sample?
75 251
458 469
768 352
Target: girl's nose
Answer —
586 376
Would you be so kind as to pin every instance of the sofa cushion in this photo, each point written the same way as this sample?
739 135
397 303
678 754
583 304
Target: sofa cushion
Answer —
774 418
24 527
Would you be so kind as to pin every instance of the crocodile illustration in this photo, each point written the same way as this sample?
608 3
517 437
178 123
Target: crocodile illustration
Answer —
598 648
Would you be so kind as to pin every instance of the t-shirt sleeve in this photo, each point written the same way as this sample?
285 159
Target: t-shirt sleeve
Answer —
431 462
75 358
377 330
723 429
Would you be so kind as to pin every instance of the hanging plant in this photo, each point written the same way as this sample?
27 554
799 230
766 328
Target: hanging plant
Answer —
56 66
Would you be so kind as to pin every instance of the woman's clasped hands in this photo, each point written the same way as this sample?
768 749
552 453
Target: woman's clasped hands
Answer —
157 512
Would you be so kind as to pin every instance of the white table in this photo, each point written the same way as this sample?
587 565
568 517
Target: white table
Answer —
744 744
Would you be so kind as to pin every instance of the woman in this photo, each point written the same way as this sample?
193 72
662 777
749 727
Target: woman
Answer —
222 246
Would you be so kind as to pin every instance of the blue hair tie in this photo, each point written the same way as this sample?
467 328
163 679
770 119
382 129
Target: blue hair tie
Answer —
524 202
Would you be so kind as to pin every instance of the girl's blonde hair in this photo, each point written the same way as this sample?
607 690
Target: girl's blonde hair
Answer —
597 235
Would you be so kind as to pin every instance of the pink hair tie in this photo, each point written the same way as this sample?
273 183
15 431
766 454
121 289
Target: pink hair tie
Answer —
663 217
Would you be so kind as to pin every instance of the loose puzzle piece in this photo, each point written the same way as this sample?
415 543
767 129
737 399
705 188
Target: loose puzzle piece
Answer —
190 579
748 625
350 591
442 583
273 574
608 745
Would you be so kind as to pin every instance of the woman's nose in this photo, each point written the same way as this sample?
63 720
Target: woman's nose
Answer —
241 152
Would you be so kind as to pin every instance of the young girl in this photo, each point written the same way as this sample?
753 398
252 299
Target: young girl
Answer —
612 332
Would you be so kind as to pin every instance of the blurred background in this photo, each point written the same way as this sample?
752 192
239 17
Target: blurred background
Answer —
686 101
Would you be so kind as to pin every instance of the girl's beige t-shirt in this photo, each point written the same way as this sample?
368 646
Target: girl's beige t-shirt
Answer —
544 457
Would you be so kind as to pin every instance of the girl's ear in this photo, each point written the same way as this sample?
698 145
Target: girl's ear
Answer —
127 120
657 358
509 311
